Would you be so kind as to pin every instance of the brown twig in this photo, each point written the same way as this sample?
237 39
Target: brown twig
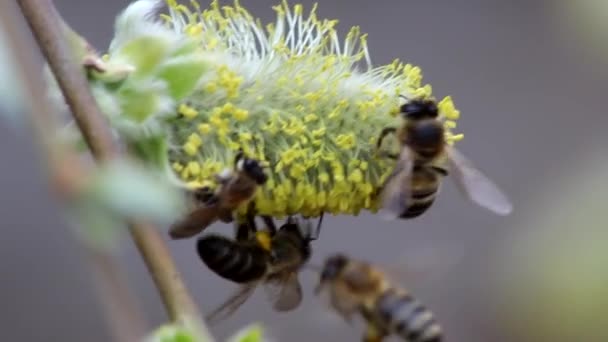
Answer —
121 309
46 24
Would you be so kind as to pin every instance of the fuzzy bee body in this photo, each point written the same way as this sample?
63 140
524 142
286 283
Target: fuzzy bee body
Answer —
356 287
235 187
425 136
422 163
397 312
253 259
238 262
262 258
425 185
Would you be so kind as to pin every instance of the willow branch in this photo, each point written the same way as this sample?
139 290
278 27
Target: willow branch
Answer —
121 309
49 30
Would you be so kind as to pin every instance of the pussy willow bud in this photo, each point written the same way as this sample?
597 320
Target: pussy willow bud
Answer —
292 94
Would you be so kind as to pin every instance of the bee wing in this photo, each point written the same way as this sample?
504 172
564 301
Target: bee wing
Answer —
476 186
395 190
195 222
231 304
285 291
344 295
343 308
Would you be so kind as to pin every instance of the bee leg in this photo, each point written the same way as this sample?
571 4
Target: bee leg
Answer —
250 217
385 131
251 213
442 171
242 231
372 334
238 157
269 222
384 154
318 230
204 195
225 215
388 155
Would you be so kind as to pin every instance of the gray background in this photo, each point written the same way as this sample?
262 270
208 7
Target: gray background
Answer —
530 94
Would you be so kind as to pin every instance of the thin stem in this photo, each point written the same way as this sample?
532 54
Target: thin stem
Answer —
121 309
173 292
46 24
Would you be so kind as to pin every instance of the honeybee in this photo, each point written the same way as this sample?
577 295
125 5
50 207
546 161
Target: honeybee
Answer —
272 260
356 287
421 165
235 187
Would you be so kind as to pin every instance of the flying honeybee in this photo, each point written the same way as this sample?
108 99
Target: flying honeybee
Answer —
272 260
235 187
421 165
358 288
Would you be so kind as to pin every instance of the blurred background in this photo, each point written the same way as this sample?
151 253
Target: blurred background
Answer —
529 79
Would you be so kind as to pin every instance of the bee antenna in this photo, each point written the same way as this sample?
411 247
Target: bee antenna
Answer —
405 97
239 155
318 230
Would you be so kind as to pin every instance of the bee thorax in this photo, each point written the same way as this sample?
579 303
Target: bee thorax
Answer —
427 134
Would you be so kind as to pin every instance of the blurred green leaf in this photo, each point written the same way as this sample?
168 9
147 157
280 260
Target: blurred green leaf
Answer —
188 46
113 73
152 150
173 333
145 52
251 333
130 190
124 189
139 103
182 75
95 226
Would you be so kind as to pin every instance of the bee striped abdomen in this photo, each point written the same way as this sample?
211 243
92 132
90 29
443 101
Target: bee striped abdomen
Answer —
417 209
405 316
425 184
238 262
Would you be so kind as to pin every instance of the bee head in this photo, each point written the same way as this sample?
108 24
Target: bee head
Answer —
252 168
303 228
333 267
419 109
292 226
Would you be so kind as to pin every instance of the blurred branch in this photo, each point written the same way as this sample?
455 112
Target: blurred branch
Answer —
50 32
121 309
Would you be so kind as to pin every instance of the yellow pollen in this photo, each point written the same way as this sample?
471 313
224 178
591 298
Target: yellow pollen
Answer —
204 128
194 168
190 149
210 87
187 111
300 105
195 139
240 114
177 166
194 30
